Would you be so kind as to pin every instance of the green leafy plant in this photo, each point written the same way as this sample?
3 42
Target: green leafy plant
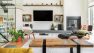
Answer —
16 34
80 33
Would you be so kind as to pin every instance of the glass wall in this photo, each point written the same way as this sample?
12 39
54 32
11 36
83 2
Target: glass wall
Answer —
91 15
7 16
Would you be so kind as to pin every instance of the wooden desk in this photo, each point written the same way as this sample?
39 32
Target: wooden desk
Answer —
83 43
78 43
36 43
53 43
60 43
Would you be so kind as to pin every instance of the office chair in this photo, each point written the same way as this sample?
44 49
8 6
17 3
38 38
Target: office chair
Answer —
90 28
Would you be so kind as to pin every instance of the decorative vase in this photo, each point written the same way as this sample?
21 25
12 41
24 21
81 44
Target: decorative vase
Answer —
52 27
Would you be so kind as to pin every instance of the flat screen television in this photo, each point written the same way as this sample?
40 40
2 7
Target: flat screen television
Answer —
43 15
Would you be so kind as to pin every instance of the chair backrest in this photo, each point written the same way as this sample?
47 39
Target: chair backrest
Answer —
15 50
90 27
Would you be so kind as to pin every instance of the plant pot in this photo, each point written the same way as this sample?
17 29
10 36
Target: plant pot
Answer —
80 36
19 39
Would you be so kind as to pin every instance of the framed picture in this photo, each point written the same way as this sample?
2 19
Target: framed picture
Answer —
26 18
58 18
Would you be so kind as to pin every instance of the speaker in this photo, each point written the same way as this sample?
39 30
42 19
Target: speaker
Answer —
31 26
26 25
90 27
60 27
5 11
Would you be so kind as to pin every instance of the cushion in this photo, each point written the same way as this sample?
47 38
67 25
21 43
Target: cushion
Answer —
73 37
15 50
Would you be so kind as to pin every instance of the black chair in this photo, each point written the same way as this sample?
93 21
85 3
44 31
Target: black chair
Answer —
62 36
90 27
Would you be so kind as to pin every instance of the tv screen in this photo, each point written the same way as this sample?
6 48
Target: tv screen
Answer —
43 15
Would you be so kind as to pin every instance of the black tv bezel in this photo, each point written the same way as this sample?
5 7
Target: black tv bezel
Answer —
42 10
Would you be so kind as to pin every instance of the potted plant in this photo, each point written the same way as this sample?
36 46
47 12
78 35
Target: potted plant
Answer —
17 35
80 33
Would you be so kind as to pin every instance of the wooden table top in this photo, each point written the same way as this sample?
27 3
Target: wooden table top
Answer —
60 43
83 43
36 43
53 43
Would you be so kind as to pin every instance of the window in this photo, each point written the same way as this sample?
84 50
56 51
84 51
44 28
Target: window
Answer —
91 15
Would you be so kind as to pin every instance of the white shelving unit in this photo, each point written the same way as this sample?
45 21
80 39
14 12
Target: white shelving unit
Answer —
6 24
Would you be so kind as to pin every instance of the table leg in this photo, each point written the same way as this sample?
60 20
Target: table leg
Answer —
71 50
44 46
78 49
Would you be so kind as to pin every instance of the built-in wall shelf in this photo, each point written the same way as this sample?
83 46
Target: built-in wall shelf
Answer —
42 5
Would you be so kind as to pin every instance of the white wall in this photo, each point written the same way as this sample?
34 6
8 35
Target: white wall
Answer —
76 8
19 19
71 8
84 12
90 13
29 10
